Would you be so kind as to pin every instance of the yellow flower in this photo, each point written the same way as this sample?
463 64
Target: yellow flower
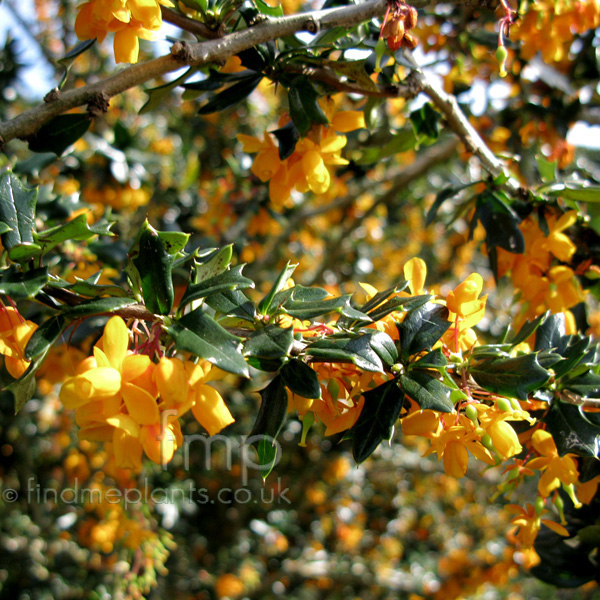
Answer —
15 332
556 469
466 310
129 19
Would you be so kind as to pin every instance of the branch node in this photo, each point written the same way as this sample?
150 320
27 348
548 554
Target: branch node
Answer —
98 104
413 84
312 25
181 52
52 96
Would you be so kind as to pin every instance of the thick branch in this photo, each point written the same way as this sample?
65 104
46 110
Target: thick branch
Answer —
183 54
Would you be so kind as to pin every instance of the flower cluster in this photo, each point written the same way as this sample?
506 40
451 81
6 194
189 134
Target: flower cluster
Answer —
399 19
308 167
543 283
128 19
126 399
15 332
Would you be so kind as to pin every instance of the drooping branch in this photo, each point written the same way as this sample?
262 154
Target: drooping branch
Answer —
183 54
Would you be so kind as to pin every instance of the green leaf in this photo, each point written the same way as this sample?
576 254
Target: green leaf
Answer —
298 113
575 191
447 193
550 332
500 222
267 348
44 336
354 349
422 328
227 280
233 304
287 138
301 379
426 123
514 377
77 229
98 306
376 421
264 306
94 290
201 335
427 391
59 133
154 267
174 241
17 210
69 58
586 386
432 360
547 170
301 309
24 252
384 347
266 9
354 70
528 329
20 285
579 350
403 141
214 264
157 94
268 424
572 430
232 96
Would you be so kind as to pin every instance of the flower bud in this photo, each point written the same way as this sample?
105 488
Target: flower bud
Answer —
501 56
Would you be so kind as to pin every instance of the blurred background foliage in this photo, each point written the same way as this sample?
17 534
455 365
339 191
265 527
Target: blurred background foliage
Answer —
320 527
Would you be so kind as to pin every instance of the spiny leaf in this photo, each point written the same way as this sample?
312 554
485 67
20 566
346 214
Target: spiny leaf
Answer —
377 418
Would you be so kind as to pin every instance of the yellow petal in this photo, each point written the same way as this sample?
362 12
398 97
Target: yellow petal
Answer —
415 272
140 404
115 341
128 450
210 410
126 423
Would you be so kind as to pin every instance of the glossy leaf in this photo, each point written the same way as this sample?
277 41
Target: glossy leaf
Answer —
427 391
227 280
376 421
264 306
514 377
500 222
422 328
17 210
98 306
301 379
44 336
20 285
233 304
201 335
153 265
267 348
353 349
232 96
572 430
59 133
268 424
